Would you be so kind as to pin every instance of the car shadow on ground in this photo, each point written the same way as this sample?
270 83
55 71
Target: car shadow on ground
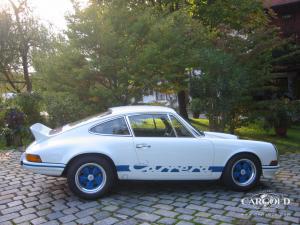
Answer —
135 187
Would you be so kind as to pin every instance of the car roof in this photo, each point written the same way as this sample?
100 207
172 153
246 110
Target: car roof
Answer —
140 109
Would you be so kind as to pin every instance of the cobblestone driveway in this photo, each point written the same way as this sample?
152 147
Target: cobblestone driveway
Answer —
27 198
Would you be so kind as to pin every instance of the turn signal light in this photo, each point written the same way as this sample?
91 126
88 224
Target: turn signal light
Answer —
33 158
274 163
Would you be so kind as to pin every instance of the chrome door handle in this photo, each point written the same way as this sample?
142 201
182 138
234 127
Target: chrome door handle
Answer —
143 146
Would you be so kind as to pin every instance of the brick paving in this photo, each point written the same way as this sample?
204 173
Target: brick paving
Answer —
27 198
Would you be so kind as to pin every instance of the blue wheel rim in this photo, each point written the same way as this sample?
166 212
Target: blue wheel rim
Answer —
243 172
90 178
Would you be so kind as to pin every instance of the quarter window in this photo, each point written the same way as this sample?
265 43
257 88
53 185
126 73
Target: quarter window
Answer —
112 127
180 129
151 126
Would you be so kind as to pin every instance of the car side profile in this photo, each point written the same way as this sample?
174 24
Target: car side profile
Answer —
144 143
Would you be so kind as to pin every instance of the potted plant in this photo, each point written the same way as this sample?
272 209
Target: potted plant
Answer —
279 116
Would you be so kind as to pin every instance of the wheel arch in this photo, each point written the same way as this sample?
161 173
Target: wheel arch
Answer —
241 153
101 155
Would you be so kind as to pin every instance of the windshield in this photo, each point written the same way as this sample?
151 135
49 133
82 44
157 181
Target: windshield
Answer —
195 129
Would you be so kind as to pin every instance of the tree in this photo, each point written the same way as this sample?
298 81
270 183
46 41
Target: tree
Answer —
172 48
20 34
236 65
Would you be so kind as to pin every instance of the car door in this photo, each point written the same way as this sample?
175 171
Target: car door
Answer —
166 149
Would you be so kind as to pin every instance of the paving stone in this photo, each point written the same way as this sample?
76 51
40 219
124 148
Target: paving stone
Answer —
235 209
205 221
9 216
55 215
214 206
110 208
66 219
203 214
225 202
38 221
29 198
27 211
107 221
184 223
223 218
88 205
167 221
14 203
185 217
165 213
44 212
12 209
185 211
86 212
128 212
52 222
102 215
292 219
86 220
128 222
145 208
197 207
147 217
162 206
25 218
238 215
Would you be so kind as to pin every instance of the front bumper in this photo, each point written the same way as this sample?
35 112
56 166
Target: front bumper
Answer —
269 171
52 169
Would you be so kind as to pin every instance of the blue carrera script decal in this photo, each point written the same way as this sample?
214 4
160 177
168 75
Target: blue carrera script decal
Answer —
172 169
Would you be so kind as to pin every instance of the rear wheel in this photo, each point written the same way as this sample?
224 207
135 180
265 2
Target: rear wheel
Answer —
90 177
242 172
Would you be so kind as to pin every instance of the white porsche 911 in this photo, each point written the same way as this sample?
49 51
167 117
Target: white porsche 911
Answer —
144 143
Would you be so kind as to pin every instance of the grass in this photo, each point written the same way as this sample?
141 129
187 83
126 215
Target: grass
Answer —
289 144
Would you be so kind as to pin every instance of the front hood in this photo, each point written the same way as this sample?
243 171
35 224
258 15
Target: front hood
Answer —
219 135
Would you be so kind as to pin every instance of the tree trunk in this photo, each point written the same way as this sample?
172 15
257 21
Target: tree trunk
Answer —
26 72
182 104
213 123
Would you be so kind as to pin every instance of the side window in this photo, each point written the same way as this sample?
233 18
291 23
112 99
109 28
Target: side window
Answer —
116 126
180 129
151 126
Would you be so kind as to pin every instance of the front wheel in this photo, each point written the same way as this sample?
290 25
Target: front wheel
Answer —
242 172
90 177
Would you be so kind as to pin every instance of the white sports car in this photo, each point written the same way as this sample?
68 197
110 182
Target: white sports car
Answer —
144 143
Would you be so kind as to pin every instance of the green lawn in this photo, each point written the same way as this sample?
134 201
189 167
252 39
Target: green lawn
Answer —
290 144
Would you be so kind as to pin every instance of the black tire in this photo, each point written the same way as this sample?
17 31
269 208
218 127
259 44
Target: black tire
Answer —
231 177
101 164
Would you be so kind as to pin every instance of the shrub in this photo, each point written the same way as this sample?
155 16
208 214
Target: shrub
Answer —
30 104
14 126
64 108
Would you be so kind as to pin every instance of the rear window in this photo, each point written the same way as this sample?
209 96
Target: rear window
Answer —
60 129
112 127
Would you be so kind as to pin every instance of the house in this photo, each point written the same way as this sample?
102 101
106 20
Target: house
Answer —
156 97
287 71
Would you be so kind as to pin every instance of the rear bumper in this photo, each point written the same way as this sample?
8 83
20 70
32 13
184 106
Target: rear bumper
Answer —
269 171
52 169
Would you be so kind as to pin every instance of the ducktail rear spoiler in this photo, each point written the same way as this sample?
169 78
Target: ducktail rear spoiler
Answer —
40 131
